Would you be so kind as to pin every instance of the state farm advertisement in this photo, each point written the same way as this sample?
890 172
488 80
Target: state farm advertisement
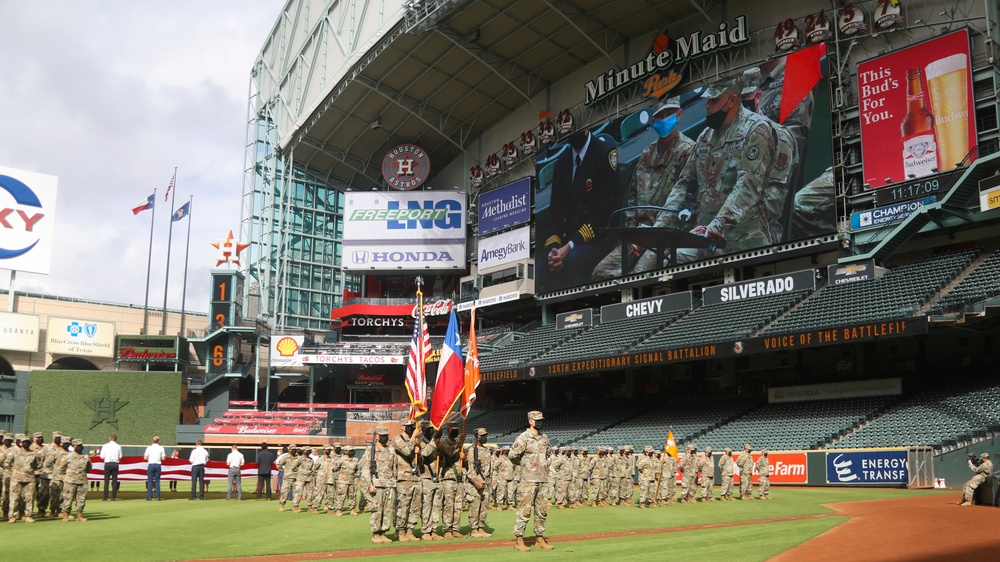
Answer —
786 468
917 112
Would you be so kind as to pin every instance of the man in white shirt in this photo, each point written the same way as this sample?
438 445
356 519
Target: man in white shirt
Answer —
154 456
111 454
198 458
235 462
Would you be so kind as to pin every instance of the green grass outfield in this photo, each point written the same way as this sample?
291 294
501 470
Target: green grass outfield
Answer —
177 529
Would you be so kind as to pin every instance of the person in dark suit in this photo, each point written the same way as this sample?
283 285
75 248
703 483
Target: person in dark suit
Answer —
265 458
586 188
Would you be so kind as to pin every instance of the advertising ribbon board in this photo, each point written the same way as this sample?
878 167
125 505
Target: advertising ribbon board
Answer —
786 468
866 467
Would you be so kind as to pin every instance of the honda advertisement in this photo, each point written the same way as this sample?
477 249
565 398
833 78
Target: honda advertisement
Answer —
916 109
866 467
400 231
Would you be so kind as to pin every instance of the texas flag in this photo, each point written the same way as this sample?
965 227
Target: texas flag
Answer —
451 375
146 203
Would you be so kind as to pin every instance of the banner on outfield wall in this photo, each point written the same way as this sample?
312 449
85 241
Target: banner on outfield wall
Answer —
786 468
504 248
866 467
399 231
18 332
505 206
834 390
917 111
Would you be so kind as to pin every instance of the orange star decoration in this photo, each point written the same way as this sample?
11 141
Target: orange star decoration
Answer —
229 252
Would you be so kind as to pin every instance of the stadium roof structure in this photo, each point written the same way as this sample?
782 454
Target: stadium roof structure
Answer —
450 70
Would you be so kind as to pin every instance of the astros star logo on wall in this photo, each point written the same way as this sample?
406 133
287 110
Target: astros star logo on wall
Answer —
229 251
105 408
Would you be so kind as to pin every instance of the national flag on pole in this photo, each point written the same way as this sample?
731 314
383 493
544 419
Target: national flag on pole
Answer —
671 447
166 196
450 377
146 204
416 364
183 211
802 73
471 369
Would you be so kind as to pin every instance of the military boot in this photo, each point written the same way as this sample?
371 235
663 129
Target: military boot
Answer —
520 546
80 517
376 539
281 507
458 535
542 544
484 534
28 519
65 516
427 537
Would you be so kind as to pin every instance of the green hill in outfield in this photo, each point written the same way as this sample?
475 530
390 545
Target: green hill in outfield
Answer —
177 529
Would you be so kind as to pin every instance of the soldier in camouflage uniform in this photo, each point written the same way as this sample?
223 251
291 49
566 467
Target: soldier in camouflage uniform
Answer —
22 480
655 174
745 464
706 465
626 477
529 452
408 493
431 501
307 476
614 467
53 452
347 476
378 480
452 477
646 466
586 467
764 477
480 479
554 457
324 485
786 159
502 469
289 465
59 473
599 476
812 208
982 471
42 477
74 466
6 467
723 186
560 468
514 482
726 468
668 480
689 474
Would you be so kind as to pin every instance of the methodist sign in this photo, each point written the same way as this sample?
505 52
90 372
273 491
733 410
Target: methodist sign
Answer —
398 231
27 215
505 206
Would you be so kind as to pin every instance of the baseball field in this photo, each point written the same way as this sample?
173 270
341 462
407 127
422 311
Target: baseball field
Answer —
797 524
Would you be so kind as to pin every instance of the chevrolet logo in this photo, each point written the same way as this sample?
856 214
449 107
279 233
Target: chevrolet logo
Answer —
851 269
574 317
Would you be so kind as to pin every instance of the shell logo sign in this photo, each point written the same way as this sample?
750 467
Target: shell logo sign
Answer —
285 351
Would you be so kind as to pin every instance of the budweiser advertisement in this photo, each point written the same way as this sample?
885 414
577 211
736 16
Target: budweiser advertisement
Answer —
786 468
917 111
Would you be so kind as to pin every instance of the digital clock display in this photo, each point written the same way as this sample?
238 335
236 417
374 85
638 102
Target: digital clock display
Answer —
911 190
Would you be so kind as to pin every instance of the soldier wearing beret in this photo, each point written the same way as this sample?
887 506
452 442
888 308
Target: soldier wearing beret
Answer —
480 479
529 452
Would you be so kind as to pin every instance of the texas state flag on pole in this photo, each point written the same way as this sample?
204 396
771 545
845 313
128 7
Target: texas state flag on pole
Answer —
146 203
451 375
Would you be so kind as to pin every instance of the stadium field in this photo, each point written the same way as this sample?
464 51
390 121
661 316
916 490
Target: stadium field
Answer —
177 529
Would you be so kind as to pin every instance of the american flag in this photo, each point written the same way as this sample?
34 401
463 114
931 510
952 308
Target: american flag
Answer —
416 365
166 196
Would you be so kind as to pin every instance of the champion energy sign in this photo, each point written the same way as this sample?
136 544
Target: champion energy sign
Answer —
390 231
27 219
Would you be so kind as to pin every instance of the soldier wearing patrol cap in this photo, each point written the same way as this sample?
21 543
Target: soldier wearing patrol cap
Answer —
529 452
586 188
726 469
22 480
75 467
706 465
647 466
480 477
452 491
347 475
745 464
51 453
982 471
59 473
407 447
288 465
655 174
551 461
724 183
379 468
626 477
763 477
431 501
586 467
561 468
6 462
324 485
689 474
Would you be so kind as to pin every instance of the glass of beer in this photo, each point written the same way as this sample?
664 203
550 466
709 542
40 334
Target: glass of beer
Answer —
947 83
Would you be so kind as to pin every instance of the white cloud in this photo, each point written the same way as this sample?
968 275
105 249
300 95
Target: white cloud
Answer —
109 97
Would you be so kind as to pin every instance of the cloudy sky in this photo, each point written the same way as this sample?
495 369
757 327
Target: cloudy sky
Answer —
110 96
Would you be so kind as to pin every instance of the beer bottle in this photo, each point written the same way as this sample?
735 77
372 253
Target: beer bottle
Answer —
919 142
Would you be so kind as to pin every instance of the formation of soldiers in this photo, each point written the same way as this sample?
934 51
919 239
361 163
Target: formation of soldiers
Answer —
43 479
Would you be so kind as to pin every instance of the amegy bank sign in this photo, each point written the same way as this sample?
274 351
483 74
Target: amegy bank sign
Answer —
27 218
392 231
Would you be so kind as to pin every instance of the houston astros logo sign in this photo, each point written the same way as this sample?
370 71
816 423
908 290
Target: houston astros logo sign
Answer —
406 167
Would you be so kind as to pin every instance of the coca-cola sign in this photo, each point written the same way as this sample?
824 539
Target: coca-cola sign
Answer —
437 308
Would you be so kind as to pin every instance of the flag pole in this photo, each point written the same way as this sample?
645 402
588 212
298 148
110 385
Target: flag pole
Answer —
149 263
170 233
187 251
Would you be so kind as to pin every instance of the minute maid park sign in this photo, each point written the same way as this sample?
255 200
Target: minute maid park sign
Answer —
657 68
